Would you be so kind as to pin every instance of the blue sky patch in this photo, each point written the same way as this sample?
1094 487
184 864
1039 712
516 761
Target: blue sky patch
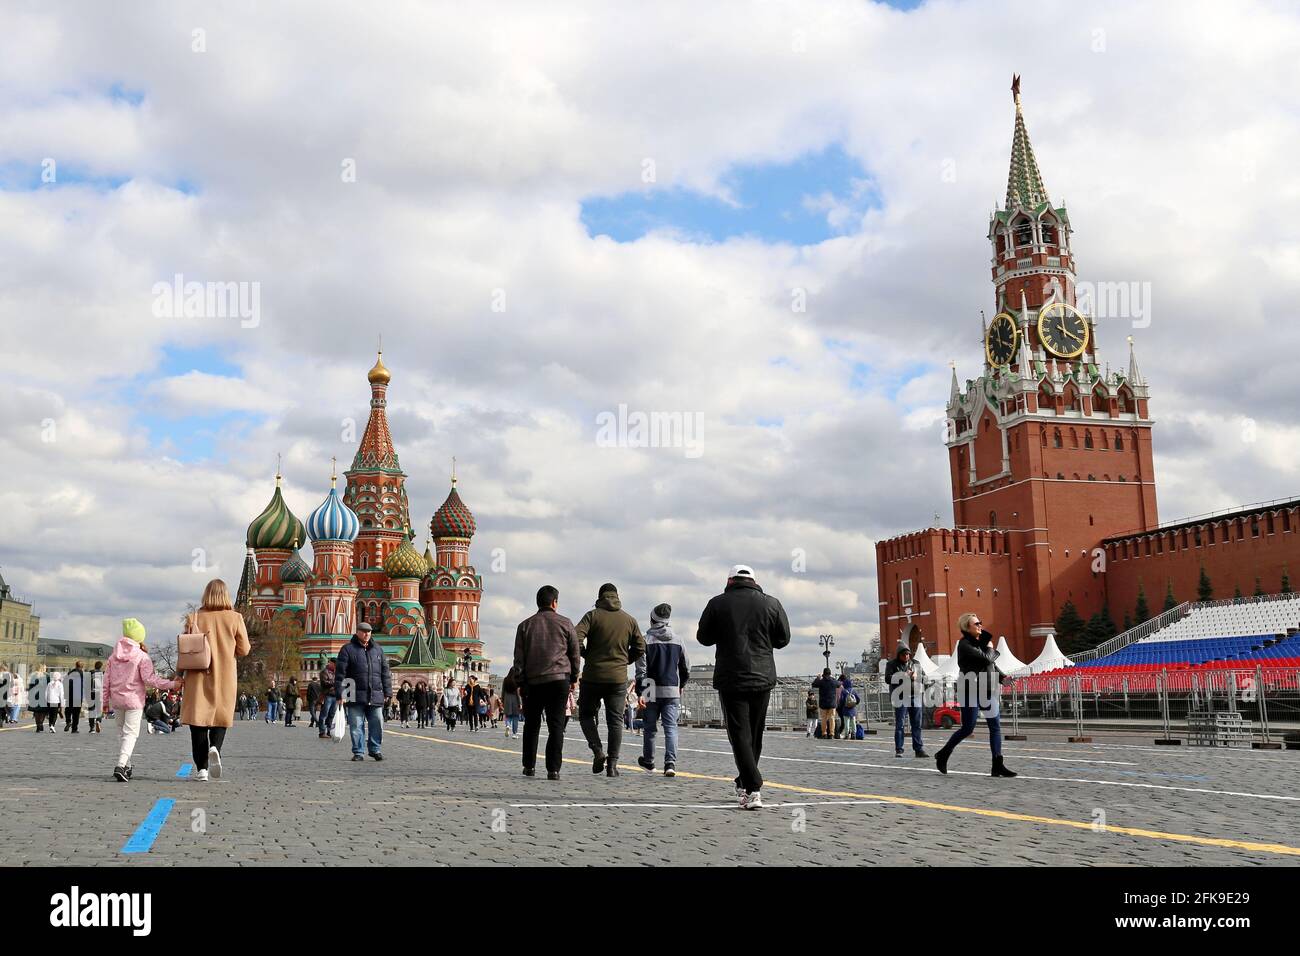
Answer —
813 198
188 437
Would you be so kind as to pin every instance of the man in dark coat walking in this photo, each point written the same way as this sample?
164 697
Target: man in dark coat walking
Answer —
610 640
362 682
313 700
746 626
546 665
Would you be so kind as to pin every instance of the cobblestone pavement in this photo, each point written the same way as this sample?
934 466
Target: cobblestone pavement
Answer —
288 798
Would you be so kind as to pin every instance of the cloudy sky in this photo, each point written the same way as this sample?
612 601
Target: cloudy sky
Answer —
551 210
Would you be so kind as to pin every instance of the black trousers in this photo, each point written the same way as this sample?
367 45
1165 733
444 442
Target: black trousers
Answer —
545 701
72 718
746 715
590 696
201 738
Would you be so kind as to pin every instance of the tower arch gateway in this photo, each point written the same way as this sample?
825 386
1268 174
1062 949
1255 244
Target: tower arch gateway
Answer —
1017 435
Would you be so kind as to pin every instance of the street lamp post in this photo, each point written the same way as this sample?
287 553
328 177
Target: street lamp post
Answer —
842 666
826 641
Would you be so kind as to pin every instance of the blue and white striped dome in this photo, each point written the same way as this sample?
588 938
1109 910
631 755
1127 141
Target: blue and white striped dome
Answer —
333 520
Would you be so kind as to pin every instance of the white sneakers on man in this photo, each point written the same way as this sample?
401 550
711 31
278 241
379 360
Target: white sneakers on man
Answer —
201 776
752 801
214 762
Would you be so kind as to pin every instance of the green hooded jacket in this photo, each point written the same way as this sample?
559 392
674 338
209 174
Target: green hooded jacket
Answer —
610 640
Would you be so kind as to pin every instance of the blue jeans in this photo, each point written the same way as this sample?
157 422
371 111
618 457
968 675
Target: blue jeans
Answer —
512 721
969 718
272 711
913 713
665 711
360 715
327 708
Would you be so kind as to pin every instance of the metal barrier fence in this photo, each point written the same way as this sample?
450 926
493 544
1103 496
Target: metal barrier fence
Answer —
1259 707
786 706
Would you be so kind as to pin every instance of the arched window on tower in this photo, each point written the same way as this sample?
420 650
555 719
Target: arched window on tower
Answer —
1056 438
1049 230
1087 439
1119 441
993 519
1002 243
1024 231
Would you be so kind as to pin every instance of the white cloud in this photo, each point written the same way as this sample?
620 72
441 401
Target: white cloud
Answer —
476 137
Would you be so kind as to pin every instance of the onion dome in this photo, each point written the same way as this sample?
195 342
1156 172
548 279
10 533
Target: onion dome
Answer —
276 526
333 520
453 519
295 570
429 559
379 375
405 562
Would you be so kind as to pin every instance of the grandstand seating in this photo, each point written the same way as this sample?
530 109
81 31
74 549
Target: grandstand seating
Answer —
1225 635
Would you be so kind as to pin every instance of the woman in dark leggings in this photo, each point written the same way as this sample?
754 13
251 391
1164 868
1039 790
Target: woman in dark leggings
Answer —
208 704
977 692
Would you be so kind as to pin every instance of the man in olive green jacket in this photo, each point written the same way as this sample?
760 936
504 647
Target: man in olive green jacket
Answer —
611 640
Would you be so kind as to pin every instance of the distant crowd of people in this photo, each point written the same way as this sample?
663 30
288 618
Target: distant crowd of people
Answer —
558 669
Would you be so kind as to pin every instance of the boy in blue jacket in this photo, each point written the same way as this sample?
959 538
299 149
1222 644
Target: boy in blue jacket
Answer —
660 676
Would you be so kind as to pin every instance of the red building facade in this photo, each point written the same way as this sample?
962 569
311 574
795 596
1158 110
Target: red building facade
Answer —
1050 460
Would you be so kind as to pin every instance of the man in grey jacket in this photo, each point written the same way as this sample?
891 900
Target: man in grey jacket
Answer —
546 666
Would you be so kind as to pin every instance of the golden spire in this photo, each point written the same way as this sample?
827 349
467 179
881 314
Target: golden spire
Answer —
379 375
453 471
278 476
334 472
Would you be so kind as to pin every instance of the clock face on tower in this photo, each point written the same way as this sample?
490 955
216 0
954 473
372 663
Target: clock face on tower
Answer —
1063 330
1000 339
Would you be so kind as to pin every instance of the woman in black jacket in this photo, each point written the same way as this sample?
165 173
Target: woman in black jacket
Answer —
978 691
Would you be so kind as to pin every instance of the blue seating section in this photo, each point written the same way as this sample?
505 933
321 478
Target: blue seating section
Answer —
1201 651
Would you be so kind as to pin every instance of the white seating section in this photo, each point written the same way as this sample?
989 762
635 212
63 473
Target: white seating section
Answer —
1232 620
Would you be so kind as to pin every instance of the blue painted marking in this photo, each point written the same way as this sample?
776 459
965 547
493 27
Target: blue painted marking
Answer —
142 839
185 770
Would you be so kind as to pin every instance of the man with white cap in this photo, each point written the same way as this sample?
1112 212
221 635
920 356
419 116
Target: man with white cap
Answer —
746 626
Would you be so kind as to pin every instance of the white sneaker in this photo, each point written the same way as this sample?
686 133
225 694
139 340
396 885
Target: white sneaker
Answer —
151 728
753 801
214 762
201 775
741 793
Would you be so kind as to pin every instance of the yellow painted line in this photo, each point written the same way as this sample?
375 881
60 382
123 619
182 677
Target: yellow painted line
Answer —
23 727
1278 848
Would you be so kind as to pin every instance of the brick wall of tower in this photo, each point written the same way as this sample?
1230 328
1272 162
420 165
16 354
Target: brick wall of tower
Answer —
952 571
1255 543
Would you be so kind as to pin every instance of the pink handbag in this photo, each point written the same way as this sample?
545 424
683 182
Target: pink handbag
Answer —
193 650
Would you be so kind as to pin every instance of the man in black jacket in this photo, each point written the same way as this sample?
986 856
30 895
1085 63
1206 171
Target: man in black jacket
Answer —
978 691
362 682
746 626
546 665
313 700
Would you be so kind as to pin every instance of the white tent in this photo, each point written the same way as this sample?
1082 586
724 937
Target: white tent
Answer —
1007 662
947 669
928 666
1050 659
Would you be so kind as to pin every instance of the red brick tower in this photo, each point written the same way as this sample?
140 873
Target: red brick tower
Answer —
453 589
1049 451
376 492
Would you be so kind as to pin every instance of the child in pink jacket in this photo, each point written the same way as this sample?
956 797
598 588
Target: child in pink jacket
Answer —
129 671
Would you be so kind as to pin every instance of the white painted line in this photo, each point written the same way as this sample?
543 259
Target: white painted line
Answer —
974 773
1018 753
687 806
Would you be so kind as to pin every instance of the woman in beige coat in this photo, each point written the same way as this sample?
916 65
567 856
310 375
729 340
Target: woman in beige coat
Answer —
208 706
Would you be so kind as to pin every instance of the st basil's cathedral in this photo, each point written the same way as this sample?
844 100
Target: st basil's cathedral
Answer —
365 568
